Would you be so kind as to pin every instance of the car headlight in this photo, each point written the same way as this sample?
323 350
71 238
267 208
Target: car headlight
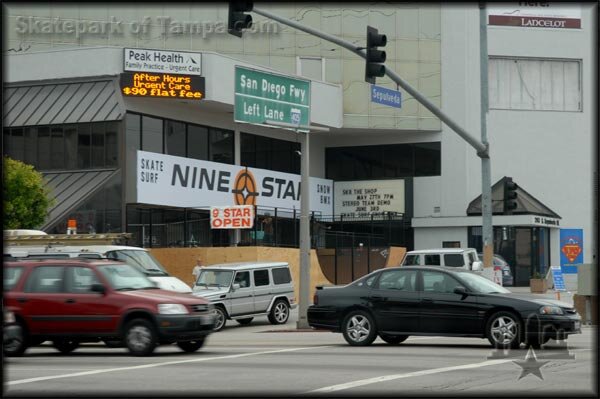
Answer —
9 317
172 308
551 310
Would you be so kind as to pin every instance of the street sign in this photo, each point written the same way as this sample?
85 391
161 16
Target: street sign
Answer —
557 277
263 96
382 95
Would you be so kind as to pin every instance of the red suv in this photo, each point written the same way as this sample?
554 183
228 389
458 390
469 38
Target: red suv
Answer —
74 301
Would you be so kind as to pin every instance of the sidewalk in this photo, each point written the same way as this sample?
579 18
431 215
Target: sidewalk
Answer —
566 296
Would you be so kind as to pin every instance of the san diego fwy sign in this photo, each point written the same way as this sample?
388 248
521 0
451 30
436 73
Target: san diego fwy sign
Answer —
162 85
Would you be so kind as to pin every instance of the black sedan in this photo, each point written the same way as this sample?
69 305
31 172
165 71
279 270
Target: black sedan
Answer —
395 303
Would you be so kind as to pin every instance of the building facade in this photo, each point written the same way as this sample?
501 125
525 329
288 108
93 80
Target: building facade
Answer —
66 114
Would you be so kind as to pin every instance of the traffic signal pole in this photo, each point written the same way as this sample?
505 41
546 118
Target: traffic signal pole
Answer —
481 147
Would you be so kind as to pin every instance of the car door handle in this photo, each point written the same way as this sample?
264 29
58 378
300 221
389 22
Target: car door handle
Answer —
427 300
21 300
378 298
70 300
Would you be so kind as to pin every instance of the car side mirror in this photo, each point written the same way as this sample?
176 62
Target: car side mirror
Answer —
235 287
476 266
99 288
460 291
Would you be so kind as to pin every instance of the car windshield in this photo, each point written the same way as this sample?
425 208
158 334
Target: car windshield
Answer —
481 284
139 258
214 278
124 277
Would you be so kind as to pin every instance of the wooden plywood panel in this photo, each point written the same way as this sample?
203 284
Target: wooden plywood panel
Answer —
395 256
180 262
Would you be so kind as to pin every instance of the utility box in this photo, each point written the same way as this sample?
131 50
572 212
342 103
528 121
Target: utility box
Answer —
586 279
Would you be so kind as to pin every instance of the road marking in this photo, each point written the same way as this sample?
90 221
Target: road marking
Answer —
385 378
145 366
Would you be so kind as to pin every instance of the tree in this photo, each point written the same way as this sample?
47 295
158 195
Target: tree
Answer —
26 199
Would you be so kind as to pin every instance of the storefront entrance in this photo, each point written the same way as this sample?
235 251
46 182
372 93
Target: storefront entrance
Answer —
525 249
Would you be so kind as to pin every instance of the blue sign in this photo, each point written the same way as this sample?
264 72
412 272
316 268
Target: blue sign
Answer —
384 96
571 249
557 277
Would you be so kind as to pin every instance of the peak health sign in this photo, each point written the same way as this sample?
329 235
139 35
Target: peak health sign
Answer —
263 96
381 95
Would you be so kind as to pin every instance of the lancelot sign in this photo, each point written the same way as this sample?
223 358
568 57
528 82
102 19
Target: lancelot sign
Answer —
263 96
544 14
162 85
232 217
178 62
361 198
190 183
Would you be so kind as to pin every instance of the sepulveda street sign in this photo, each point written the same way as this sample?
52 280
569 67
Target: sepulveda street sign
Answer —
262 96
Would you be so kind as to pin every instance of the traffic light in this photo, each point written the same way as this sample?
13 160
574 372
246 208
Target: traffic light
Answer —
510 195
375 58
237 20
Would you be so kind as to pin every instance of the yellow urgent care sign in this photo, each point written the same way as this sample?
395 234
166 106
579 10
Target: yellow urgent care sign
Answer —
232 217
162 85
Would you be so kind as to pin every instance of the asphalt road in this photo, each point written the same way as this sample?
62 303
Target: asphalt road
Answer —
262 360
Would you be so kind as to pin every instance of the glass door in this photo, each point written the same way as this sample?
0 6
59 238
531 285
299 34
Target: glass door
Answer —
523 256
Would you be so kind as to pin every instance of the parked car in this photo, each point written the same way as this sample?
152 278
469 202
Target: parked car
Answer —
70 301
135 256
11 331
242 291
465 258
500 263
396 303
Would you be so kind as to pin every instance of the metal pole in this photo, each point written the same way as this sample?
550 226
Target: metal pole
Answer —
486 172
304 288
482 150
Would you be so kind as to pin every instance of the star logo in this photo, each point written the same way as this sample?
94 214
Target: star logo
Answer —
244 191
530 365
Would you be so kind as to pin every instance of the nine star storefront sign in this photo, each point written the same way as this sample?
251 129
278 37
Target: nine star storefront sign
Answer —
190 183
536 15
232 217
262 96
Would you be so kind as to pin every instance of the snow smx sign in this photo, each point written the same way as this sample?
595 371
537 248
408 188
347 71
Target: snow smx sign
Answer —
190 183
232 217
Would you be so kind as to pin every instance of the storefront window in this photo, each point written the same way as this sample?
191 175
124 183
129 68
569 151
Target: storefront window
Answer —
111 140
175 138
152 134
221 146
43 148
97 145
197 140
269 153
383 161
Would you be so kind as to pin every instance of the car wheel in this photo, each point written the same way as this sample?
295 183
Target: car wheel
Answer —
280 312
17 346
140 337
359 329
503 330
393 339
113 343
220 319
65 345
191 346
245 321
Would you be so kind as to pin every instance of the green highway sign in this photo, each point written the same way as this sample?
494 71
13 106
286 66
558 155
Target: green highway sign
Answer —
262 96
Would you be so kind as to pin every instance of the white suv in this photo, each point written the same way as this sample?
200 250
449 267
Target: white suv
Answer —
465 258
241 291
